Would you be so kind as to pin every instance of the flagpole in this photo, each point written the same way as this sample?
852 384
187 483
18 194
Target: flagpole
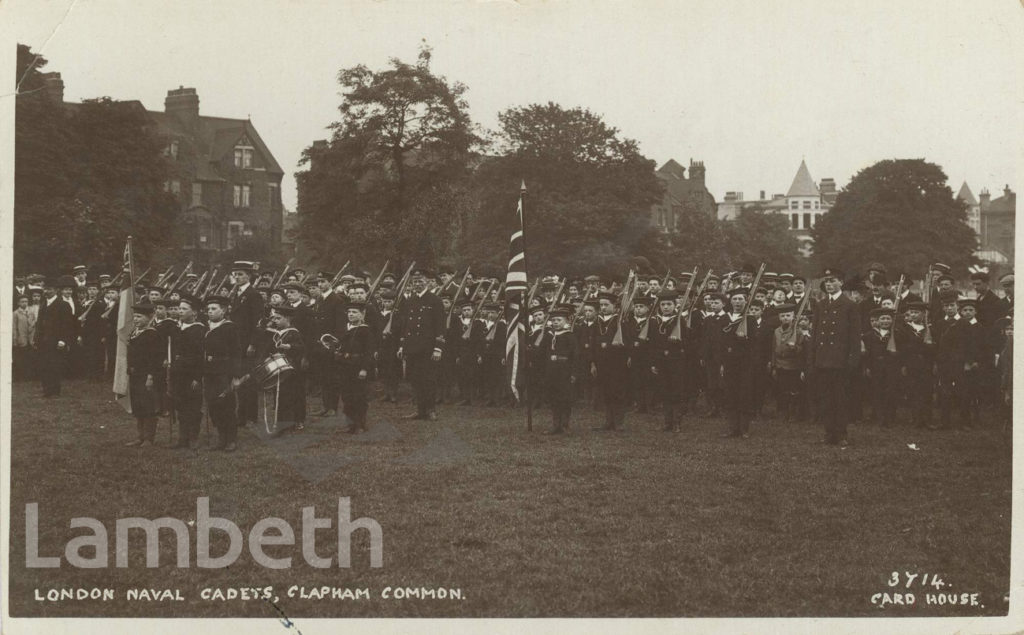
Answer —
523 310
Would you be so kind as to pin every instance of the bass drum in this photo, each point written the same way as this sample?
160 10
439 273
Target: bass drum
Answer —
271 370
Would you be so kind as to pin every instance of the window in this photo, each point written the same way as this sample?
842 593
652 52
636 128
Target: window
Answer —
237 198
796 222
197 194
243 157
241 195
807 205
175 187
807 221
236 229
817 205
245 195
794 205
275 200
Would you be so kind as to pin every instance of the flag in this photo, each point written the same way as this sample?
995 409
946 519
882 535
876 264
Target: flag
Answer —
515 291
125 325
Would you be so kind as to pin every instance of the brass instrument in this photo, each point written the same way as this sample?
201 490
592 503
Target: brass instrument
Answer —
330 342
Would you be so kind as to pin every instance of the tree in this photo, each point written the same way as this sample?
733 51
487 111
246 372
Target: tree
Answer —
373 191
87 176
897 212
757 236
589 192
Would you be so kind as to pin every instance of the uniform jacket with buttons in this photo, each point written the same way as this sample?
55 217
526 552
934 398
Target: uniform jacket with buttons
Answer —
835 340
421 324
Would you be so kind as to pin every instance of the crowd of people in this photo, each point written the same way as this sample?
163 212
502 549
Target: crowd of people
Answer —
747 346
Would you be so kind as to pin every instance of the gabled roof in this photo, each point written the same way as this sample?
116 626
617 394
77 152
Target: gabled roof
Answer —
803 184
966 195
672 169
215 136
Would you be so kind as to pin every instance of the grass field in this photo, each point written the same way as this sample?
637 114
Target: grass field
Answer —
633 523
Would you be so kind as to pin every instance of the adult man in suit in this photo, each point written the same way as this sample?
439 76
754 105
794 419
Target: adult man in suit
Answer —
56 329
222 367
835 354
246 312
326 312
81 274
421 342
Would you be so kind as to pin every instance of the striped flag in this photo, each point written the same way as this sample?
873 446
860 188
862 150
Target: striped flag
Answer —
125 326
515 291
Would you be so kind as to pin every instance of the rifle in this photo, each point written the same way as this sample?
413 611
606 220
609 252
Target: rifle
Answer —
618 339
696 298
891 344
376 282
458 295
181 277
337 276
677 330
533 293
741 325
217 289
799 313
198 284
558 294
163 277
399 295
85 313
275 282
668 274
144 274
926 297
479 307
579 309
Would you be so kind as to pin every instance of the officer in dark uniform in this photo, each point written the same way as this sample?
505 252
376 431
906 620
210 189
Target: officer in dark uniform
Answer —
221 369
558 364
145 365
421 343
246 312
835 353
187 342
666 359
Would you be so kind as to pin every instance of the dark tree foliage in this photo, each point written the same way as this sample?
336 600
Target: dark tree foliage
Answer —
381 186
86 177
589 196
758 236
897 212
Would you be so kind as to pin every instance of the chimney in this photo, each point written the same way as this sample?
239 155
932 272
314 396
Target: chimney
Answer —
319 146
697 171
183 103
984 198
762 196
54 86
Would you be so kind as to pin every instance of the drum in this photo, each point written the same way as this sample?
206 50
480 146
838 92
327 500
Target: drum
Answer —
270 370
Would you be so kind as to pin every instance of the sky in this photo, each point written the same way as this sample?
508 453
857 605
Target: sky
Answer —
750 88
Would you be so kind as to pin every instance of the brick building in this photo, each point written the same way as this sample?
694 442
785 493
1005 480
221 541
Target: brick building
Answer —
803 204
998 219
681 193
228 181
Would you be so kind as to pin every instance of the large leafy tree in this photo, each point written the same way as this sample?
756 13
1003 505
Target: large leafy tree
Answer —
897 212
590 192
381 186
86 177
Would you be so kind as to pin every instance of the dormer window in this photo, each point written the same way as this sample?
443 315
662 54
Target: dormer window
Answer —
243 157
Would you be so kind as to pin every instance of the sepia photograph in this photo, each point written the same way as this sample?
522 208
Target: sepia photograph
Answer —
553 310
